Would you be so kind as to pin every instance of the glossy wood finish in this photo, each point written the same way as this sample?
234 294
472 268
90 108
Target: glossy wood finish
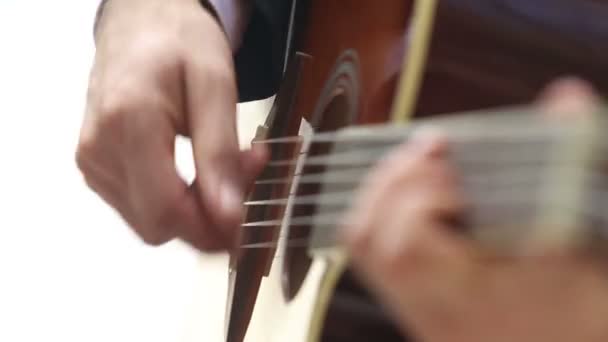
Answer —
375 32
500 52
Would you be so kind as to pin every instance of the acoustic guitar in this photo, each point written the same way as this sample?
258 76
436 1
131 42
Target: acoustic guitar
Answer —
362 75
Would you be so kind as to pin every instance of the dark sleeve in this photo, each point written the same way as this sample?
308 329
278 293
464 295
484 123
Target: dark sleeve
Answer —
260 59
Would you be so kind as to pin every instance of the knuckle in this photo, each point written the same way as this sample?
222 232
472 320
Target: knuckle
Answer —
154 238
152 233
162 223
82 155
88 180
113 106
114 109
85 149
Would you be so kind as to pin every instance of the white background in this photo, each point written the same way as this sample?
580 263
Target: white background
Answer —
69 268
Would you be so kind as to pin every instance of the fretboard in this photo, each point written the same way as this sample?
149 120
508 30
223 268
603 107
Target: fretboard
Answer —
530 179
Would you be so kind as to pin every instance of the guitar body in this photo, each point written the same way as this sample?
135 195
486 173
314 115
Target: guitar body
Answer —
350 66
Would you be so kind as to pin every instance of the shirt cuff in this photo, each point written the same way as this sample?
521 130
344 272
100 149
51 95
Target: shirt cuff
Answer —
233 15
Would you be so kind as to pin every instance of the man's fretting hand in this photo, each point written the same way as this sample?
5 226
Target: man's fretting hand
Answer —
404 245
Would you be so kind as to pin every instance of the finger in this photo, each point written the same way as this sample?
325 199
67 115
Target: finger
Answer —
419 236
397 220
161 202
211 101
425 143
95 152
428 269
397 227
110 193
417 264
568 97
105 186
131 166
202 237
252 163
404 166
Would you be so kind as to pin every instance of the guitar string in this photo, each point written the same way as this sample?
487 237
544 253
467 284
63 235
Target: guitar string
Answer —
353 177
506 178
331 220
288 244
491 183
306 242
328 138
350 175
334 159
497 201
354 158
394 135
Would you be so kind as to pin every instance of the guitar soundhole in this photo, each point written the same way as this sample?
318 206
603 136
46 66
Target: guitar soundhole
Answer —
337 107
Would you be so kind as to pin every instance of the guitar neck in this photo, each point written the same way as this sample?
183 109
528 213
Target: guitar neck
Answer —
531 180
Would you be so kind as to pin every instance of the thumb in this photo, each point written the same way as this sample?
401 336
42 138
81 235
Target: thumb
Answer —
211 101
568 98
252 164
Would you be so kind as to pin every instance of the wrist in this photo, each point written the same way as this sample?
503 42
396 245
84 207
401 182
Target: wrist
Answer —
233 15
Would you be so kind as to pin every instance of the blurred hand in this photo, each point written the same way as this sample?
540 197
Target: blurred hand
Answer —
404 246
164 68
